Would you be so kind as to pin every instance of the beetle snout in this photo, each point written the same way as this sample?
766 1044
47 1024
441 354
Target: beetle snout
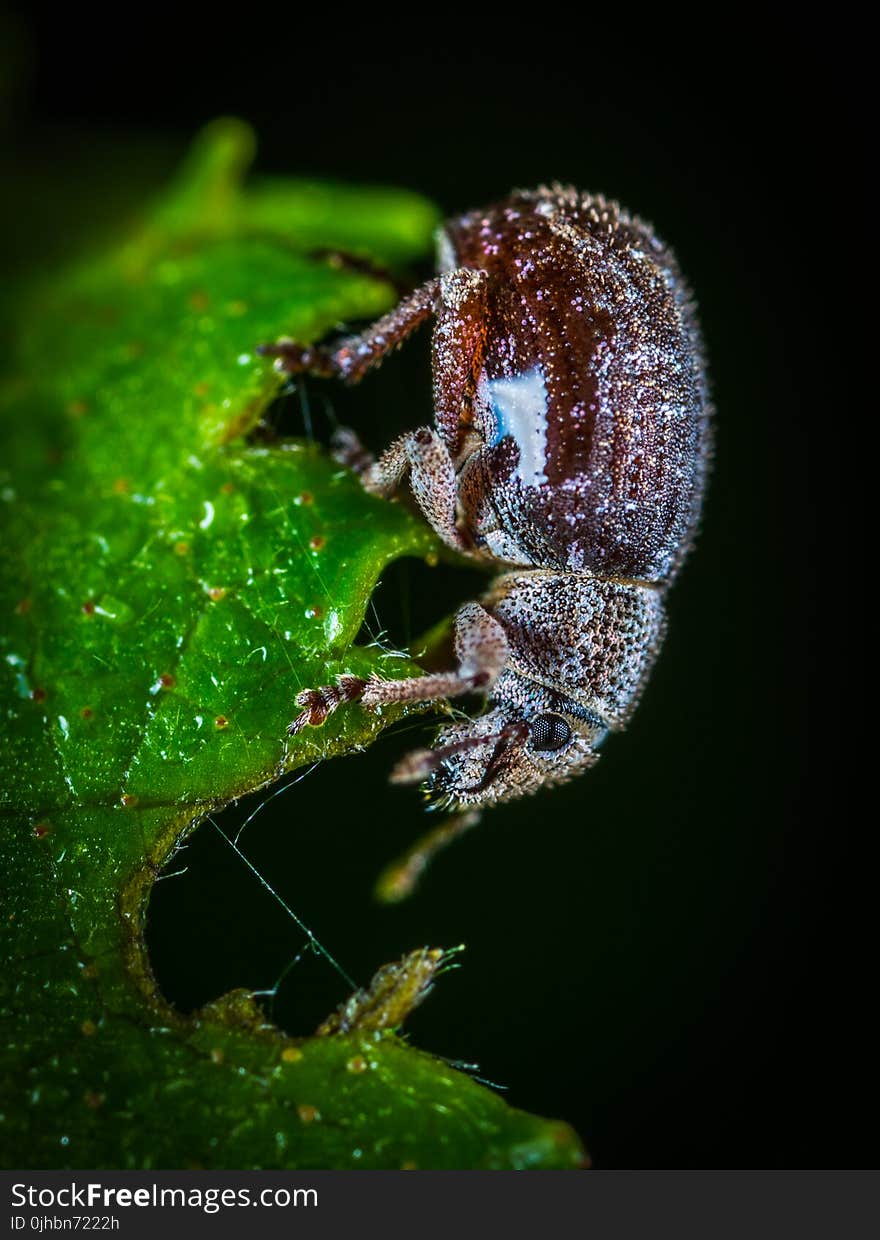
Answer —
498 757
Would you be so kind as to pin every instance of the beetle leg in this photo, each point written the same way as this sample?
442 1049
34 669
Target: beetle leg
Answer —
457 344
344 260
347 449
425 457
399 880
481 647
424 454
351 357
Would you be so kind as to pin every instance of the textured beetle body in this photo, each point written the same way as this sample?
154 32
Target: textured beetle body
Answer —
590 399
570 449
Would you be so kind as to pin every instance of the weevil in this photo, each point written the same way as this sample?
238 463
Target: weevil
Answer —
569 451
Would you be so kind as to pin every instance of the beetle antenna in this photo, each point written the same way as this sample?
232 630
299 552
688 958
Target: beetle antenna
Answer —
418 765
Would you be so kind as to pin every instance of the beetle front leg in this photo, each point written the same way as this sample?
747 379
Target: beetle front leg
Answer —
482 651
351 357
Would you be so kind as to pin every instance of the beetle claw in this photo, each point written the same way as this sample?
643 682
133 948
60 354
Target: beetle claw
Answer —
319 704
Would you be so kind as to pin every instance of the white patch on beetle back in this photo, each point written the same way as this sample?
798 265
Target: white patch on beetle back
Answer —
520 408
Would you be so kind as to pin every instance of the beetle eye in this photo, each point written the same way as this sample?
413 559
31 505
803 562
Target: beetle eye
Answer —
550 732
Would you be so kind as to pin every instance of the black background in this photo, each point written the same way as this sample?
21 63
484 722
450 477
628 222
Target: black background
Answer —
663 952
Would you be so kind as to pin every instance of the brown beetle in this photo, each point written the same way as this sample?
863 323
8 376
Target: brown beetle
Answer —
571 448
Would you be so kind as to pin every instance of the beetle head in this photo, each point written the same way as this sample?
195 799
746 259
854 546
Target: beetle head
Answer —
530 738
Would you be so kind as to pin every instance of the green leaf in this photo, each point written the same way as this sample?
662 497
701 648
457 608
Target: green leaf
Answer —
168 585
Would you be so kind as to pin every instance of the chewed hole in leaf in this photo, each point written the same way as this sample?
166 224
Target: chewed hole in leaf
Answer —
316 843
